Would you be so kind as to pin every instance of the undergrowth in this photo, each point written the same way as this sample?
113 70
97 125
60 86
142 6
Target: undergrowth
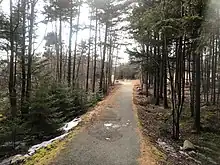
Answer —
50 106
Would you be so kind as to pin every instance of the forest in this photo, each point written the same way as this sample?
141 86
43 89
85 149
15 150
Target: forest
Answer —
45 83
173 47
178 53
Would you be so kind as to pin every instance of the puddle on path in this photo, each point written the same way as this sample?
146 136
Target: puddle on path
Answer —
105 131
109 126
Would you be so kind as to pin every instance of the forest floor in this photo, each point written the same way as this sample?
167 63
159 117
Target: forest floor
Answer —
109 136
156 124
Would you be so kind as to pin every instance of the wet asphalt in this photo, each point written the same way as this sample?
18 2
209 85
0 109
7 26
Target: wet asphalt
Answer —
111 140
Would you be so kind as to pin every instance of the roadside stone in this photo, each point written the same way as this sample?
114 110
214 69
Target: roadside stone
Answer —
187 145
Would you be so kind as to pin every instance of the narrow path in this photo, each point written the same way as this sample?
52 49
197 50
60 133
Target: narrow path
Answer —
111 140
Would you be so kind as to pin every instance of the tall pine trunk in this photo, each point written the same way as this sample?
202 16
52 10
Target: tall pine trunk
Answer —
95 54
29 65
165 53
103 58
70 45
61 48
11 86
88 59
213 70
75 49
196 35
157 71
23 72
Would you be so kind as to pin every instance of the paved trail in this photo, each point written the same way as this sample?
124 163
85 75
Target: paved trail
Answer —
111 140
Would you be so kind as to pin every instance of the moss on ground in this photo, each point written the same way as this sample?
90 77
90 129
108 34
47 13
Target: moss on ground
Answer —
208 141
45 155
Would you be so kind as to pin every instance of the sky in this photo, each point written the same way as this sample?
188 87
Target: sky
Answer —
43 29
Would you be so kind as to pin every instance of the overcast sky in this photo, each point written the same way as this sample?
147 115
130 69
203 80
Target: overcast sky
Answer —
43 29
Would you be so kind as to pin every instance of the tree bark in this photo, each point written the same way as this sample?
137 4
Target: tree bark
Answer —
75 49
165 102
70 45
29 71
12 90
88 59
95 54
197 110
157 72
103 59
61 47
192 103
213 70
79 63
23 72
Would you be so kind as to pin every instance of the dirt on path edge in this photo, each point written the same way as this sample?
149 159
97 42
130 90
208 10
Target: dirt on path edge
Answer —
149 154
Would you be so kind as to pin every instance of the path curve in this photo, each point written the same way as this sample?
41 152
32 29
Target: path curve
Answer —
111 140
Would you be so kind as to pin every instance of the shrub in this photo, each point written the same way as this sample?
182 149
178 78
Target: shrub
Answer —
49 107
53 105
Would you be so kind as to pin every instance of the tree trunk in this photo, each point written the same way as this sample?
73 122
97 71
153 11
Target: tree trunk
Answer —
109 73
61 48
88 59
29 71
192 102
95 54
165 102
208 74
57 54
103 59
161 77
213 70
173 101
147 74
183 58
116 62
75 49
197 110
70 45
78 66
12 90
157 53
65 64
23 72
